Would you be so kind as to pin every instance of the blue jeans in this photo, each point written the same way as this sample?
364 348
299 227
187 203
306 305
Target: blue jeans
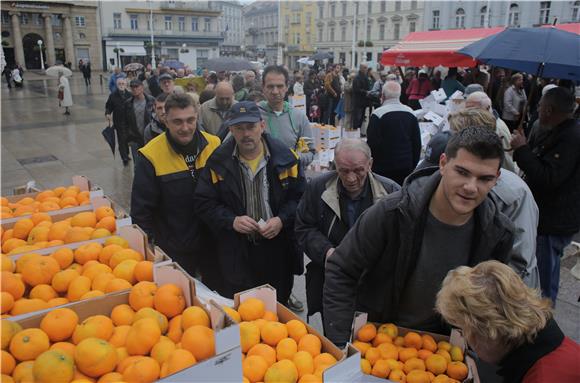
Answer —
549 250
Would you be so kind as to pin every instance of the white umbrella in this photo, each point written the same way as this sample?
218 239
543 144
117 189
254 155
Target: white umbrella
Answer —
54 70
305 60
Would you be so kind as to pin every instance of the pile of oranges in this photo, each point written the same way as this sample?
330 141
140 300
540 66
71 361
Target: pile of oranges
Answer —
277 352
36 282
412 358
39 231
152 337
46 200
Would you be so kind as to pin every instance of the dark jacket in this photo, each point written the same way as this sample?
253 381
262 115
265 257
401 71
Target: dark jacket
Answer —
319 226
394 138
86 69
153 84
153 129
370 269
219 200
162 196
116 106
551 167
360 87
130 123
552 357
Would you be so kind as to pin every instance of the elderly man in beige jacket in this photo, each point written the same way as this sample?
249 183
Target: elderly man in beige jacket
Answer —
216 110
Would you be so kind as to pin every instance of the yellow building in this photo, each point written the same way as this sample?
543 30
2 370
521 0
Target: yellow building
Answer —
298 28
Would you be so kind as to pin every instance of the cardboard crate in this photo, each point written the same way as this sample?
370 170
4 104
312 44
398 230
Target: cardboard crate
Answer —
225 366
456 339
30 189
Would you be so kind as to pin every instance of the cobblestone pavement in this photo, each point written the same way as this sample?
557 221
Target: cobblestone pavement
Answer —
39 143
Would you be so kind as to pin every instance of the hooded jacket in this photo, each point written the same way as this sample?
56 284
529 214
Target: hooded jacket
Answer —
130 122
370 269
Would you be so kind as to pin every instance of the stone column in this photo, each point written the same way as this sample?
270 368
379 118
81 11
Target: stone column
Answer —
17 37
68 42
49 43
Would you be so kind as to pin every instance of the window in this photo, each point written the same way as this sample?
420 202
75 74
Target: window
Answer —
297 18
383 6
134 22
397 33
333 10
514 16
80 21
382 32
412 26
168 23
545 12
297 38
369 6
287 21
576 11
308 18
24 18
57 36
181 23
482 15
368 35
36 19
202 56
82 36
319 34
459 18
344 8
435 20
320 11
331 34
308 39
207 25
117 20
343 34
194 27
397 6
5 17
414 4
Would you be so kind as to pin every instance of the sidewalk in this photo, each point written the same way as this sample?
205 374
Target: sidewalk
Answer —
38 75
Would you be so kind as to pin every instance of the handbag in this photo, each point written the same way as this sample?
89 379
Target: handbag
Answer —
61 94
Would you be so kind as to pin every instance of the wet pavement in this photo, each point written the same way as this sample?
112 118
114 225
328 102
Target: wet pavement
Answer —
40 143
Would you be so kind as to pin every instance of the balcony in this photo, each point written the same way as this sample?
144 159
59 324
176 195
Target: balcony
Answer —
163 33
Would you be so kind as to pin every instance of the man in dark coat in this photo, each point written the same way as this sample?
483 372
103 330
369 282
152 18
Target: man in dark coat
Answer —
331 205
115 106
551 166
392 262
137 115
85 68
360 89
247 196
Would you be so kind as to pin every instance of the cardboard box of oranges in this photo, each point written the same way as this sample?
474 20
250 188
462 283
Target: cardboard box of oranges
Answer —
405 355
155 330
30 189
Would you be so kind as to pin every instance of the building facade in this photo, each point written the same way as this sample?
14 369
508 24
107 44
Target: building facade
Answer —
261 31
182 30
298 28
68 32
440 15
230 24
379 25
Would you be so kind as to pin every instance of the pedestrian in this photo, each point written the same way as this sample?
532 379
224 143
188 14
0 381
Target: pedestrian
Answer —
240 91
551 167
450 84
212 81
64 88
85 68
360 89
436 80
216 110
376 92
248 196
406 243
330 206
17 77
114 112
156 125
409 76
167 172
7 75
332 90
514 100
508 324
114 77
166 83
153 84
138 110
298 88
418 89
348 103
394 136
476 76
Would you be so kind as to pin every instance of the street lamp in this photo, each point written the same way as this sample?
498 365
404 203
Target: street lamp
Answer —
118 54
39 42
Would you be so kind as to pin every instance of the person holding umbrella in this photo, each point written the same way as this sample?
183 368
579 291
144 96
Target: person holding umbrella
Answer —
114 112
64 89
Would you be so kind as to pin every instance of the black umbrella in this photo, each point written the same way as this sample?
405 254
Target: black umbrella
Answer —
109 135
322 56
231 64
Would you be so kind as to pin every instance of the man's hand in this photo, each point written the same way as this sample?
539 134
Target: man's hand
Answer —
328 254
272 228
108 118
518 140
245 225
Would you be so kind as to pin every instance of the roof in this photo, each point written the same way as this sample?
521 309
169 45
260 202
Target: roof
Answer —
572 27
436 48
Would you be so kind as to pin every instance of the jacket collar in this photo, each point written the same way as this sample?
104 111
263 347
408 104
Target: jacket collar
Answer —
516 364
265 107
211 103
198 138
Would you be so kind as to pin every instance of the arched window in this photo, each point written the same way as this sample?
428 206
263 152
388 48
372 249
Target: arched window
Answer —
576 11
482 17
459 18
514 16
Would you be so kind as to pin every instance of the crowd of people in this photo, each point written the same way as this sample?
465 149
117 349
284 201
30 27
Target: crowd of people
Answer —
220 184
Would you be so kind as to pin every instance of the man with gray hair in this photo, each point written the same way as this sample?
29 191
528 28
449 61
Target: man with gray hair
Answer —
216 110
393 136
331 205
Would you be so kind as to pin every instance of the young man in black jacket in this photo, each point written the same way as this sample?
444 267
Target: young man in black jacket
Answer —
138 111
115 113
392 262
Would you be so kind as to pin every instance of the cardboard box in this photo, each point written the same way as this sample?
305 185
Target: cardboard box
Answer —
325 136
226 366
30 189
456 339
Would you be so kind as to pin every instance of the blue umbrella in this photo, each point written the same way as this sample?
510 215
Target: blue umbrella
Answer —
173 64
547 52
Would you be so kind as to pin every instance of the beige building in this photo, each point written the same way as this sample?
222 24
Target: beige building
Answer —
261 27
68 31
298 28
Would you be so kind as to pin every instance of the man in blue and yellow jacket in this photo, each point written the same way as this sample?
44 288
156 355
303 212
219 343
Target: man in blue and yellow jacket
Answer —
248 194
167 171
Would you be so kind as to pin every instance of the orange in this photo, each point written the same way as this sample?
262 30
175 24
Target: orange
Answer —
259 323
24 249
126 270
25 201
115 239
193 316
76 234
82 378
437 364
457 370
96 326
444 354
119 336
9 329
381 338
286 349
143 271
388 351
443 345
266 352
44 292
254 368
53 366
12 243
441 379
304 363
162 349
65 347
372 355
100 233
126 361
407 353
40 270
142 370
424 354
390 329
232 313
67 202
108 223
169 300
62 279
117 284
88 252
23 210
24 305
122 354
41 196
95 357
178 360
200 341
111 377
38 234
83 196
365 366
399 341
412 339
367 332
122 255
310 378
251 309
23 372
92 294
122 315
273 332
270 316
310 343
28 344
148 312
48 206
22 227
249 335
362 346
296 329
418 376
12 284
78 287
64 257
174 330
142 295
429 343
101 280
414 364
324 359
59 190
142 336
84 219
381 369
104 211
108 252
282 371
23 260
456 354
58 230
7 302
91 271
8 363
397 376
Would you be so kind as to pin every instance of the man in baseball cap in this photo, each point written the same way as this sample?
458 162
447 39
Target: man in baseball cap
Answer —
167 83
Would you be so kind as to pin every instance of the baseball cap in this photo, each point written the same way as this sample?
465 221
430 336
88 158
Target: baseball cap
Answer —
135 82
165 76
244 111
434 149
